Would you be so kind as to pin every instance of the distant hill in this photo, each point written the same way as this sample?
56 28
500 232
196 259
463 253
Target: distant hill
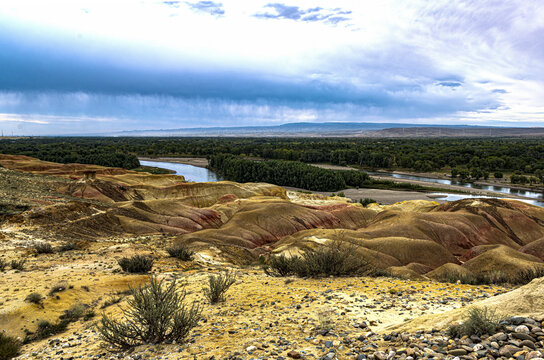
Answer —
336 129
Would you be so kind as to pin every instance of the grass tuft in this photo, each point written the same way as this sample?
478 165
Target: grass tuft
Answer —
218 285
138 264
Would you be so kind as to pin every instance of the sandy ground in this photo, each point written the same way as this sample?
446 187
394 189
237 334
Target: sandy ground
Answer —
276 315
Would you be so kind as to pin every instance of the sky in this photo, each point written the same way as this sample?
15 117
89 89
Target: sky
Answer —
94 66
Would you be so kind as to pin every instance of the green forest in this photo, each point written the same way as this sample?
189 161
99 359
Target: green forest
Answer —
465 158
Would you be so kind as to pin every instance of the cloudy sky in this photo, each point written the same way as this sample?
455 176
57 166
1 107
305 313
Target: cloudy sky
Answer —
83 66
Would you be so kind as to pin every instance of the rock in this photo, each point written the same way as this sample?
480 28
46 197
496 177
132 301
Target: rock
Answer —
533 355
329 356
522 329
457 352
508 350
530 344
380 355
294 354
523 336
251 348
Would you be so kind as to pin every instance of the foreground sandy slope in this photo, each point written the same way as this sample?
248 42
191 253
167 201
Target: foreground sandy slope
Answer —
113 213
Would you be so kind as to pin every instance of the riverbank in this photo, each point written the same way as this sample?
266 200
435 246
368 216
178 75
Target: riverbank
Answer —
384 196
194 161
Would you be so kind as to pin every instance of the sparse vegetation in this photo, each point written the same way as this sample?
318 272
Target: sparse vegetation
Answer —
3 264
367 201
43 248
157 313
9 347
68 247
34 298
218 285
74 313
336 259
18 264
58 288
494 277
137 264
477 321
46 329
180 252
111 301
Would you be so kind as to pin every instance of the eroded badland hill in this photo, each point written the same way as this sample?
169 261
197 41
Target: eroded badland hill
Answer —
93 216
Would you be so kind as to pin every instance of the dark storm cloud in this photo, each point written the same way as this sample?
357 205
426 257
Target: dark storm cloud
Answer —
209 7
282 11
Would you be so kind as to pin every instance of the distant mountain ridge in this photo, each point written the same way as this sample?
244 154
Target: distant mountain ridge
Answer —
337 129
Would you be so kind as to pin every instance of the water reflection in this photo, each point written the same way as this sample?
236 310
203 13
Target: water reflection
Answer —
190 172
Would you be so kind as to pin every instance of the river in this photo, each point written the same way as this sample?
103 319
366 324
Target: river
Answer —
537 198
190 172
200 174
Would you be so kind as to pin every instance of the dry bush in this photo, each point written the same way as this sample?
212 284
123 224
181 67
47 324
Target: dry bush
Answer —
137 264
34 298
43 248
477 321
180 252
18 264
336 259
156 314
9 347
218 286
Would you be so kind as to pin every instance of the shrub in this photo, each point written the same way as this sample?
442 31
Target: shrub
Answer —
43 248
111 301
180 252
9 347
367 201
156 314
58 288
283 266
68 247
3 264
138 264
46 329
34 298
477 321
495 277
18 264
218 286
338 259
74 313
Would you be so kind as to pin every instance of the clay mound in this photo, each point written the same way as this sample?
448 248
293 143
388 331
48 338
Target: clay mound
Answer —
104 191
476 251
464 224
520 221
504 260
419 268
29 164
526 301
305 240
403 272
536 248
351 216
259 223
413 205
449 271
92 221
408 251
207 194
